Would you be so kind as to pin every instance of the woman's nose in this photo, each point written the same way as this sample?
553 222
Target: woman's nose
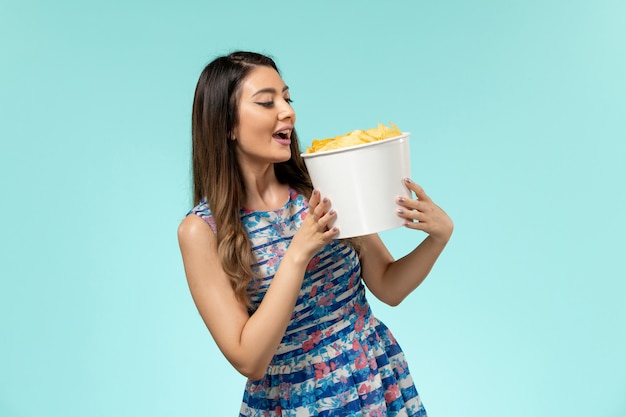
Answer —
286 111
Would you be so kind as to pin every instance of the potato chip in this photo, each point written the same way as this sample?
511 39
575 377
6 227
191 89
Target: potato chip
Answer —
356 137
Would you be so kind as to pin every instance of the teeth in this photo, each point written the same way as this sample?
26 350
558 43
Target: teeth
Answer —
283 134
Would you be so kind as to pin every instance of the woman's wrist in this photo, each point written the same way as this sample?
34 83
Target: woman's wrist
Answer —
296 258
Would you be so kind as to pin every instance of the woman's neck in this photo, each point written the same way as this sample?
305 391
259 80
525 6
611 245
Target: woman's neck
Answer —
263 191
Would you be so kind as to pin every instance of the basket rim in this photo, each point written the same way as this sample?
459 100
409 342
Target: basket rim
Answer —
354 147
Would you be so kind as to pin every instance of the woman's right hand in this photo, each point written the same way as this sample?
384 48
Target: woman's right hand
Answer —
316 230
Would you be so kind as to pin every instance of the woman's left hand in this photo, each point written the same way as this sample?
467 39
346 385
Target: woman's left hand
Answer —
423 214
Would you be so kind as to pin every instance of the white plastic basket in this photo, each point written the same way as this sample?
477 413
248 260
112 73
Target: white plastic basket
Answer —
362 183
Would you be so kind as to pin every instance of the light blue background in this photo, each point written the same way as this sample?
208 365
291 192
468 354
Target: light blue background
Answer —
517 113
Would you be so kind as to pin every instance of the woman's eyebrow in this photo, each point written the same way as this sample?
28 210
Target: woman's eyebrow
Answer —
270 90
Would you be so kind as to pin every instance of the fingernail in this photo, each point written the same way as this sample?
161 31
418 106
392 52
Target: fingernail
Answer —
407 180
316 192
331 212
399 211
325 200
400 199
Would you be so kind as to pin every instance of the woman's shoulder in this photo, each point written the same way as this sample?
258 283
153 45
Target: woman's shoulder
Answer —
201 211
196 239
192 228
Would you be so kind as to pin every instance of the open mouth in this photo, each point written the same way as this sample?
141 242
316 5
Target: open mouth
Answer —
283 134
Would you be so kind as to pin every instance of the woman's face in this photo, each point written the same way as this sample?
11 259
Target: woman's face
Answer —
266 119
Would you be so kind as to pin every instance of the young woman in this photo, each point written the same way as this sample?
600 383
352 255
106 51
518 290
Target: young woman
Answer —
283 299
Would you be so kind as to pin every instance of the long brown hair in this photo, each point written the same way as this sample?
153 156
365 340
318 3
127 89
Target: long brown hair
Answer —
216 172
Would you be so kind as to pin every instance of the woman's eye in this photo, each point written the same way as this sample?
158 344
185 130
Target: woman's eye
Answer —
270 104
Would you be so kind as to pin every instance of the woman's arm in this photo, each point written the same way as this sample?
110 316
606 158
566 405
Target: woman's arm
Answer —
391 281
249 342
